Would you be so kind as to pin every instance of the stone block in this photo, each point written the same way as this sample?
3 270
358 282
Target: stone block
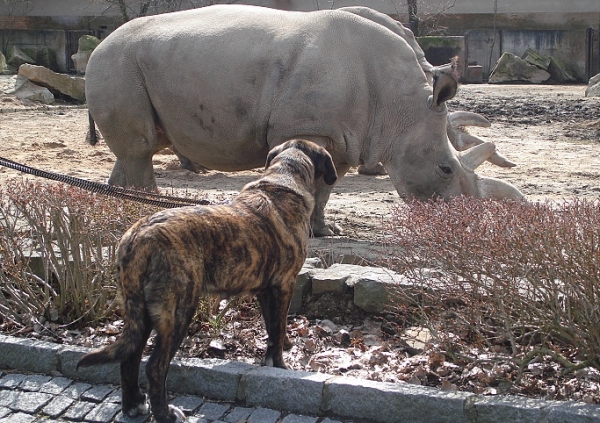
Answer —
511 68
372 289
3 66
510 409
336 278
217 379
71 86
393 403
29 91
302 287
17 57
295 391
104 373
28 355
264 415
572 412
593 88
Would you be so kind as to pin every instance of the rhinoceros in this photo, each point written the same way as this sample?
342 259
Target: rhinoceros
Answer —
224 84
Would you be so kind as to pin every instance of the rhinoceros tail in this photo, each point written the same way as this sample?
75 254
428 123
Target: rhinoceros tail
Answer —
92 134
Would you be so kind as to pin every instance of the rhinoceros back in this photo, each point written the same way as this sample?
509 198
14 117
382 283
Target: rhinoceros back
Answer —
226 83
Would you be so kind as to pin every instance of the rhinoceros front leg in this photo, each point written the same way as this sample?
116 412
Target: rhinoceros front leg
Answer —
134 172
323 191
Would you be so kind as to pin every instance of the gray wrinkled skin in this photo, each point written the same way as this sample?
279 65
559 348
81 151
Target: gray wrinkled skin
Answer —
224 84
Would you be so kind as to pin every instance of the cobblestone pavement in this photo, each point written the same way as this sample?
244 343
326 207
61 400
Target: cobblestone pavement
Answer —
27 398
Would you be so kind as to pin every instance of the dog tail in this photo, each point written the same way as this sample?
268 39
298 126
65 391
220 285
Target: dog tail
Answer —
134 332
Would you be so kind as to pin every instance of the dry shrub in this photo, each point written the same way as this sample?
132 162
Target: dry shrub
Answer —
57 253
511 279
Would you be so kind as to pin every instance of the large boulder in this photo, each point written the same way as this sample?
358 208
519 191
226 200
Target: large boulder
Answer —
536 59
87 44
511 68
3 66
46 57
71 86
593 88
17 57
560 72
27 90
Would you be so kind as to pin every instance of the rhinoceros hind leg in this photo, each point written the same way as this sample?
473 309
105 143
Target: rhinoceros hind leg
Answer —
136 173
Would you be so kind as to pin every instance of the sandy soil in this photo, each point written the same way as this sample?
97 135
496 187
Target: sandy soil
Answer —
551 132
541 128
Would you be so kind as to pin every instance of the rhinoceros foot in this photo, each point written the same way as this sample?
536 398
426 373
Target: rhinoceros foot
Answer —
325 229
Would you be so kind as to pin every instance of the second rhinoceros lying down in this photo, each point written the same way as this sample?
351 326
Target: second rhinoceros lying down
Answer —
224 84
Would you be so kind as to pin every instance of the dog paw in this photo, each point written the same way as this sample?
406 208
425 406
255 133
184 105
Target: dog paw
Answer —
141 409
177 413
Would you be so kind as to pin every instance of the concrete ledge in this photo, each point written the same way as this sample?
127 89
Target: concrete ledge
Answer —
296 391
305 392
28 355
390 402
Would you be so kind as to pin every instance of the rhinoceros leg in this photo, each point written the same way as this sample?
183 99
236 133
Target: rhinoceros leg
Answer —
322 193
134 172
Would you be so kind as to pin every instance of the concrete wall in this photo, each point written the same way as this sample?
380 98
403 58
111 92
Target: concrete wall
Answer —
507 24
484 47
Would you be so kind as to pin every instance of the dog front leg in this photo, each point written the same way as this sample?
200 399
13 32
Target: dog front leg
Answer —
274 305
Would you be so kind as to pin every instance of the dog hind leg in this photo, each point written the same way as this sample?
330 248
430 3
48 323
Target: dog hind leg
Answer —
133 401
171 328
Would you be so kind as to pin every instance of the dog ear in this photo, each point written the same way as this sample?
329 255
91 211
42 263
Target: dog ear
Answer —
272 154
324 166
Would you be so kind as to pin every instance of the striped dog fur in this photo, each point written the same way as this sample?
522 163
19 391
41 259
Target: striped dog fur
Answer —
256 245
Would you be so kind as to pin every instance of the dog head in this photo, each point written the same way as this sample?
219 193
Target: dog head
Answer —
320 158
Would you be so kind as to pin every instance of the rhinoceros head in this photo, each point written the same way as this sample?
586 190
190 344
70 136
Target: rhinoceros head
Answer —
425 164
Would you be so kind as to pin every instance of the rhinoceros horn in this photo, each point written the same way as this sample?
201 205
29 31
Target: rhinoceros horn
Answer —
462 140
474 156
488 187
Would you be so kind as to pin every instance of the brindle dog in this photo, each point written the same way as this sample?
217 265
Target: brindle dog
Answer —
255 245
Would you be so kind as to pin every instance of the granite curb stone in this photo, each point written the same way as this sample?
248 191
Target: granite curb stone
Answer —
310 393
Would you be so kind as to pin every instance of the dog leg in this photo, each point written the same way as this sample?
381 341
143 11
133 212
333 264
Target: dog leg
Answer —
274 305
171 327
133 401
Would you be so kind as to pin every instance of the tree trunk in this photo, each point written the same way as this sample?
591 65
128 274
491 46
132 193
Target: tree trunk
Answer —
413 19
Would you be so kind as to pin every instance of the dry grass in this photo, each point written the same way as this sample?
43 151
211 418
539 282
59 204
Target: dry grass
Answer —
57 250
516 280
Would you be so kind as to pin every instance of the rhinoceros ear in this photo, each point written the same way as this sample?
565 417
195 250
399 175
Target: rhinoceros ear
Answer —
445 84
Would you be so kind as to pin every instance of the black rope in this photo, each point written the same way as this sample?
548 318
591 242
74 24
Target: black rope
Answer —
118 192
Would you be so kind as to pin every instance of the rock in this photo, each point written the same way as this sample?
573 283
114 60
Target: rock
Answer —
593 88
46 57
560 72
3 67
511 68
71 86
27 90
17 57
373 289
87 44
335 279
534 58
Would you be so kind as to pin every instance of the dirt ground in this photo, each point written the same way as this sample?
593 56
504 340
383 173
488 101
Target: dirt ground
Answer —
541 128
551 132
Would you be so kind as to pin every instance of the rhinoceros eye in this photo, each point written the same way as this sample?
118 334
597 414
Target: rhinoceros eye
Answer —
446 169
